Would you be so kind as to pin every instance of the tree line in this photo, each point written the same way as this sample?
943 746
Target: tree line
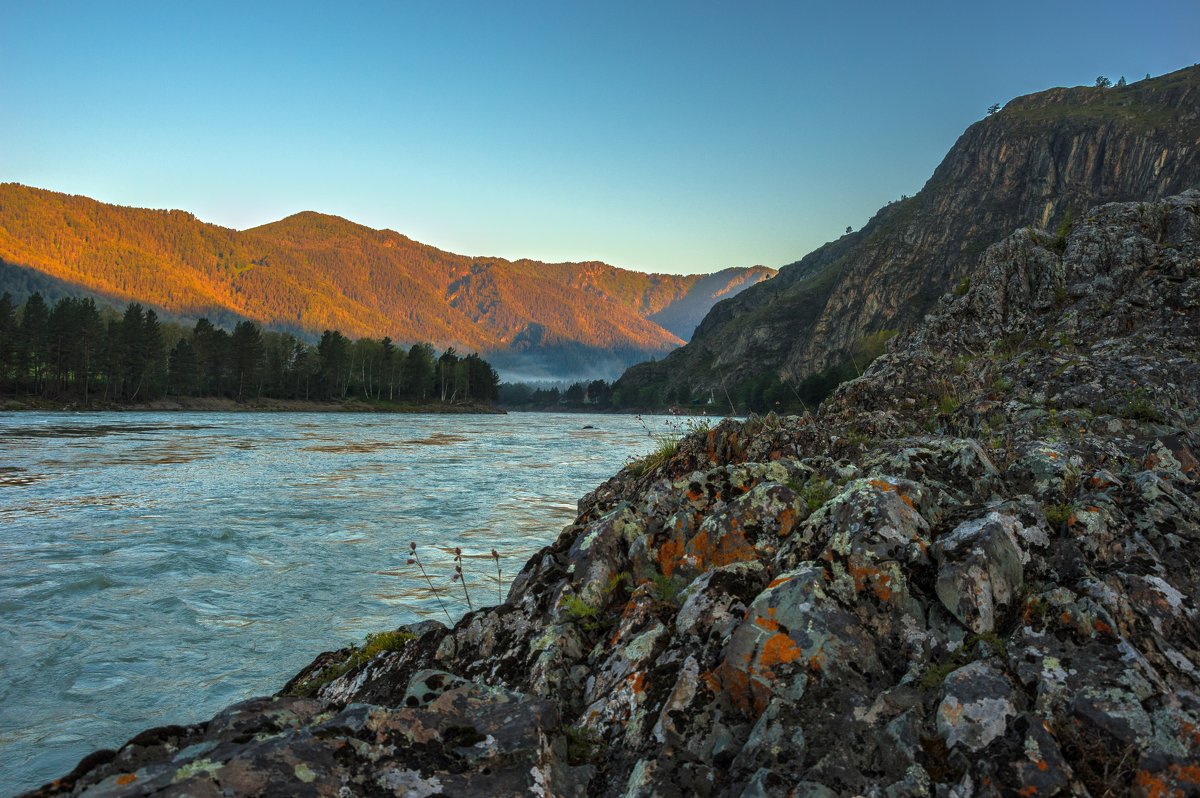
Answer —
78 351
761 393
594 395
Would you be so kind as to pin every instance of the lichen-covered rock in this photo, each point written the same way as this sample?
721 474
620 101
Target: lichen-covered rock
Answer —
979 702
980 570
450 736
989 596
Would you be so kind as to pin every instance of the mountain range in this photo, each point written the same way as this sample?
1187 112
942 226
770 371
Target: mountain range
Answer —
1039 162
313 271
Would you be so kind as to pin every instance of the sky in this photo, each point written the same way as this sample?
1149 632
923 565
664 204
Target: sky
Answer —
660 136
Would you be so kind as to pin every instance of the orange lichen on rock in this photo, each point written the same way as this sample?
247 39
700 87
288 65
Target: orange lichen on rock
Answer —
1189 774
669 552
863 573
1177 781
787 521
778 650
887 487
1150 785
126 778
636 682
770 624
729 548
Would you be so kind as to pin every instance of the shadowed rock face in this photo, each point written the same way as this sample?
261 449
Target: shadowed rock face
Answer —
1043 156
973 572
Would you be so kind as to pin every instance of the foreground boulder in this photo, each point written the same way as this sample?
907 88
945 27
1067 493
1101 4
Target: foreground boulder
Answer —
974 572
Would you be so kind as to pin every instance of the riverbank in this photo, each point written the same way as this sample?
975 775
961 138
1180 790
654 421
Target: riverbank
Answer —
211 404
972 573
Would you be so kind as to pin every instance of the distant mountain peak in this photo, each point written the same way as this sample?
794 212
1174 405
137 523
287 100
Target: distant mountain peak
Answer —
312 271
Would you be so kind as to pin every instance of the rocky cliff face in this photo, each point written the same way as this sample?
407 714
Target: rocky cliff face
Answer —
1041 158
974 572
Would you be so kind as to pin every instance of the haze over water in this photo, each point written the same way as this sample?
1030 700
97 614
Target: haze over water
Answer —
158 567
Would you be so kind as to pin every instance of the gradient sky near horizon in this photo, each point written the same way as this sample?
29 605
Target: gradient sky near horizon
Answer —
659 136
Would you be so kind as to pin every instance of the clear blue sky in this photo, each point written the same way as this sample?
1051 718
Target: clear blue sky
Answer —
680 137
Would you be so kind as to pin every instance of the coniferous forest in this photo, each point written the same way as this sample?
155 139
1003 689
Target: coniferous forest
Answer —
76 351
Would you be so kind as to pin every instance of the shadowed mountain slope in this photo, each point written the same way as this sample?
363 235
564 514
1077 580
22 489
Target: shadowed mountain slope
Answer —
1040 160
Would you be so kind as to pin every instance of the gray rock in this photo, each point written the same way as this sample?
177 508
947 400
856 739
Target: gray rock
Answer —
980 570
976 708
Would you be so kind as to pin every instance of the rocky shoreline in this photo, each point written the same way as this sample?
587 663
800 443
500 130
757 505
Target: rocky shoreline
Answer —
973 572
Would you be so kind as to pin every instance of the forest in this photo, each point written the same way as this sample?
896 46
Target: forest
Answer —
750 396
77 351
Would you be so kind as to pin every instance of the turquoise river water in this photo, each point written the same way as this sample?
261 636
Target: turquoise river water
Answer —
158 566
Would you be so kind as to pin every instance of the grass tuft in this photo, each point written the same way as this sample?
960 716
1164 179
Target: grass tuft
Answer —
374 645
666 444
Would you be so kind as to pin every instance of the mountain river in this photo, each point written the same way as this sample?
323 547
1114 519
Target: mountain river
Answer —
159 566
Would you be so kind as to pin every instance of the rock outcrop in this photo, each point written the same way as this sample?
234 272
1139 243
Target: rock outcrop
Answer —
1044 157
974 572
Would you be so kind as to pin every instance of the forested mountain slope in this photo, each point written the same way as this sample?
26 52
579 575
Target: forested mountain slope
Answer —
311 272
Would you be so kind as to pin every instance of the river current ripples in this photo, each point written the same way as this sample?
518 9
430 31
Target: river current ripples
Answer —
159 566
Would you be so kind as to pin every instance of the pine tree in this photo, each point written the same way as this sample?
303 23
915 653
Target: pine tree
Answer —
447 364
333 354
246 347
182 371
33 344
8 336
419 370
154 357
